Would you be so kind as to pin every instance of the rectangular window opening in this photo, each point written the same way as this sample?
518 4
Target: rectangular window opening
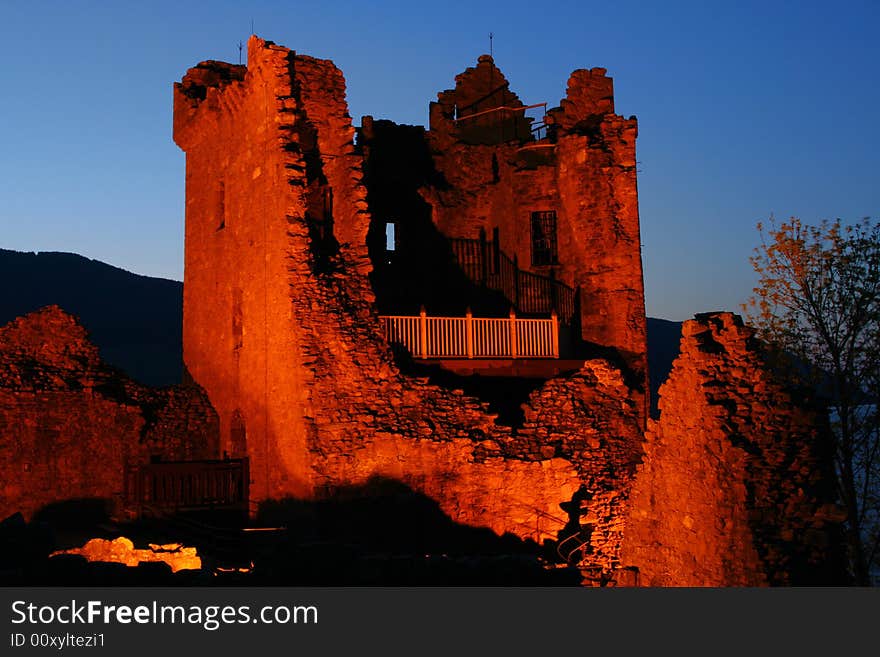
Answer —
390 236
544 238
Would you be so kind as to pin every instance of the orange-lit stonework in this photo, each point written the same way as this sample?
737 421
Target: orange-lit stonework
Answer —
734 485
585 171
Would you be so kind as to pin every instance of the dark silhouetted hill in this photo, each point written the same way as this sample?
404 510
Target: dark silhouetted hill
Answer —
136 321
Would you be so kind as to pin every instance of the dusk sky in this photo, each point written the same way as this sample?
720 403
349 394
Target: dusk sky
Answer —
745 109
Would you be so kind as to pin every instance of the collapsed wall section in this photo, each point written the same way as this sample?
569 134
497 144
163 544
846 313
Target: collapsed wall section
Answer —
735 488
70 426
281 328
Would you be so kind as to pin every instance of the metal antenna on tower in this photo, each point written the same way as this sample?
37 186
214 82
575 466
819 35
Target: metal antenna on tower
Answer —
491 53
252 26
239 53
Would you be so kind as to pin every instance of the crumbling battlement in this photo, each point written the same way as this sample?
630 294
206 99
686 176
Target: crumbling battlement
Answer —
735 485
70 425
589 98
208 75
478 90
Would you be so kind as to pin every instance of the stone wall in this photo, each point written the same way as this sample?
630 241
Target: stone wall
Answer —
481 109
735 487
245 186
589 97
70 425
732 486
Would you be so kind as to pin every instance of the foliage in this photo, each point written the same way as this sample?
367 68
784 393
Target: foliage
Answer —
818 302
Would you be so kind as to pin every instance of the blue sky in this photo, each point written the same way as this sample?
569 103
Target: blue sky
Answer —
745 109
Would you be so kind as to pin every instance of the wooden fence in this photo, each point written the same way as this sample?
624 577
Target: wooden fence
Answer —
474 337
173 486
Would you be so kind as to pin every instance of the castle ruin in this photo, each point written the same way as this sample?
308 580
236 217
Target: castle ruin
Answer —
305 236
459 310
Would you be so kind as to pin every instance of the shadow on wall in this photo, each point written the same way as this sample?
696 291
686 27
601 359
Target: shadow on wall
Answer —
75 514
420 267
385 533
504 394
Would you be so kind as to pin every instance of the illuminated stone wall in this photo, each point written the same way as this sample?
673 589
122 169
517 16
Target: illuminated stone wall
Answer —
731 486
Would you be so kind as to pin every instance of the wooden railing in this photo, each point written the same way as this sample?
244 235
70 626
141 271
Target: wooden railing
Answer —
474 337
531 294
189 485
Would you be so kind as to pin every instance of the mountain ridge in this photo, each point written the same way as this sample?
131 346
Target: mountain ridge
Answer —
136 321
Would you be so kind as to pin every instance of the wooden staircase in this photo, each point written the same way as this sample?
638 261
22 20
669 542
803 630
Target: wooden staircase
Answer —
484 263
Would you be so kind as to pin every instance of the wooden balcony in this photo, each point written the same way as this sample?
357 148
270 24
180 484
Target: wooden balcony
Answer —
474 337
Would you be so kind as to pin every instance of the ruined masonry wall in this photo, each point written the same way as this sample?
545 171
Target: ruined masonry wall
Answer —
590 94
734 489
70 425
731 487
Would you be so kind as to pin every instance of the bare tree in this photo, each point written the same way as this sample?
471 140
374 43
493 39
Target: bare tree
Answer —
818 303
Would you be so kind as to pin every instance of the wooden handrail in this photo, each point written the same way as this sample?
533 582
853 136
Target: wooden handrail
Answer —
484 263
501 87
501 108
